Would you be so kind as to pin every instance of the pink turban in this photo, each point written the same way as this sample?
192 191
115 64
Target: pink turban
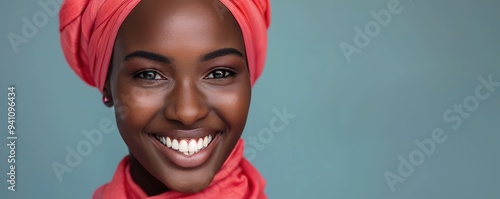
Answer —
89 27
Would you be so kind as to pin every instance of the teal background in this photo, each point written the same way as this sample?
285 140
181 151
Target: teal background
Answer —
352 120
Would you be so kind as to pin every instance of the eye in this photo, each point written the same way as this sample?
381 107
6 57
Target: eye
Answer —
220 73
148 75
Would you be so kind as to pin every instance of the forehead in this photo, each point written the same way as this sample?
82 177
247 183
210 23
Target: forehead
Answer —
154 24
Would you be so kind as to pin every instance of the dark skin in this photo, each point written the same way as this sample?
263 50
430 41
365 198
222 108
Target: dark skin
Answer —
178 66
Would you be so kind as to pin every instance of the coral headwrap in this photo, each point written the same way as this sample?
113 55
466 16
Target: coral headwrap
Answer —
89 27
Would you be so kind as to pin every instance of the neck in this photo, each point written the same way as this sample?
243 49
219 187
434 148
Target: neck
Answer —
148 183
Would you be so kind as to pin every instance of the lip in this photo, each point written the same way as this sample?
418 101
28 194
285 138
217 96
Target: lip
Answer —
188 161
187 134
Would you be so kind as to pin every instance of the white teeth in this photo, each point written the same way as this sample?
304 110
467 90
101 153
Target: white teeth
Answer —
175 145
199 144
169 142
183 146
192 146
186 146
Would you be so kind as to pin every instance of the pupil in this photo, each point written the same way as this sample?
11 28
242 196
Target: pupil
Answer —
219 74
150 75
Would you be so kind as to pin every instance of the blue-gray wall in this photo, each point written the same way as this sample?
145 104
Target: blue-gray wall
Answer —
359 94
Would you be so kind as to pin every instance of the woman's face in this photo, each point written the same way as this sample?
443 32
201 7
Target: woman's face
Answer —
181 90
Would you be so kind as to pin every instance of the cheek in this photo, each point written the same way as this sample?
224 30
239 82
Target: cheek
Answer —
134 109
232 106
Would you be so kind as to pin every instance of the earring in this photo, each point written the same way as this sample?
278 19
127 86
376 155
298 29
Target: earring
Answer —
105 99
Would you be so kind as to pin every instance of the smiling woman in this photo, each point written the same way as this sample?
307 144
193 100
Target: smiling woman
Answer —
183 71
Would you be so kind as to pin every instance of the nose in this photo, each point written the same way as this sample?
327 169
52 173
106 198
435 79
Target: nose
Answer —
186 103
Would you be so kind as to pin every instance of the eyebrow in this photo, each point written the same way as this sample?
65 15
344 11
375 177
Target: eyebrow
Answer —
167 60
149 55
220 53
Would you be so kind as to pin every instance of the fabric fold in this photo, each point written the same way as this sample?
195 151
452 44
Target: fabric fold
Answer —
88 30
236 179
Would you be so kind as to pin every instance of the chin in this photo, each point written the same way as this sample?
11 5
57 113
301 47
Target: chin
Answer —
188 179
190 186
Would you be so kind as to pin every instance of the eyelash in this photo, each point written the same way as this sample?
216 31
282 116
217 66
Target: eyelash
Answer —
212 75
141 75
225 73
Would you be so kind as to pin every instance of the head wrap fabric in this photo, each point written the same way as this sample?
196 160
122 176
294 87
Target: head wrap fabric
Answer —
89 27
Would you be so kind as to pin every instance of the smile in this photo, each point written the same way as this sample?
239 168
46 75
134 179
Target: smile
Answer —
186 146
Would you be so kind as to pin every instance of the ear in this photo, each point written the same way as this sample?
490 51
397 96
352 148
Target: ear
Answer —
107 97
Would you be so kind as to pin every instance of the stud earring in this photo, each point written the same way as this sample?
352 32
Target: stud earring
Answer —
105 99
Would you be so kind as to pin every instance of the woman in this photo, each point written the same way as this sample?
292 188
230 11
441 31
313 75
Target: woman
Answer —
179 73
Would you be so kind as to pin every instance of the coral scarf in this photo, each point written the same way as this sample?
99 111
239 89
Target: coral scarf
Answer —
236 179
